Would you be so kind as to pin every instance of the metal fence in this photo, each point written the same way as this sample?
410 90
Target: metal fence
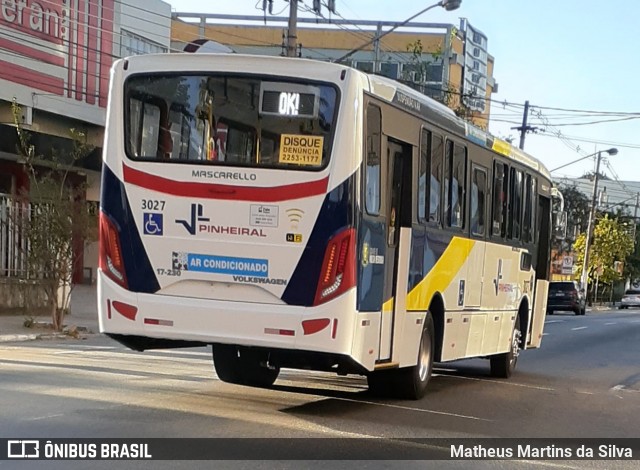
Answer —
13 242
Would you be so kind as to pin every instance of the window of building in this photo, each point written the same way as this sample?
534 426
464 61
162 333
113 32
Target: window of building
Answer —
390 69
434 73
132 44
476 52
475 77
6 183
476 65
374 144
365 66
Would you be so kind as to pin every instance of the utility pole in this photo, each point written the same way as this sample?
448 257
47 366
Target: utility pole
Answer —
292 32
584 279
635 217
524 128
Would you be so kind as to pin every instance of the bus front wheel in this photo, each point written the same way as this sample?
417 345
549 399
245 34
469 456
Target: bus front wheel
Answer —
408 382
503 365
242 366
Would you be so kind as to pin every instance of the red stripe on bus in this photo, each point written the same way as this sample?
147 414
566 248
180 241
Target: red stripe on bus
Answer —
285 192
156 321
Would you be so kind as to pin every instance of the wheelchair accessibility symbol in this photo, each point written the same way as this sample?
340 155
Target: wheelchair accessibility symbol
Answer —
152 224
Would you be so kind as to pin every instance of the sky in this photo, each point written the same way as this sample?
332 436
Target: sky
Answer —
576 55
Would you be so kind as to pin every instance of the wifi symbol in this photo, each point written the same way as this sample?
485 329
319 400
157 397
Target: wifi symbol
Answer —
295 216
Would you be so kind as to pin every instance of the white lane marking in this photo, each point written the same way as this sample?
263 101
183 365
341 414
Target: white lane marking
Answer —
618 388
579 328
410 408
46 417
611 323
443 369
545 334
535 387
554 321
547 464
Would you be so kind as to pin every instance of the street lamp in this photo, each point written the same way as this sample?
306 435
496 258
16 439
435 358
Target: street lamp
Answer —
584 279
448 5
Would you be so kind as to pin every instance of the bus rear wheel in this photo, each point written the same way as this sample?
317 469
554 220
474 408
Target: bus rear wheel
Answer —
242 366
408 382
503 365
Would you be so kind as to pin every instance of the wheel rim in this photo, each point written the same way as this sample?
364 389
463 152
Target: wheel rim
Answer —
424 359
515 347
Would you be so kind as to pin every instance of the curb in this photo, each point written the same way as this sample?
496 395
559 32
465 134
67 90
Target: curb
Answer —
44 336
11 338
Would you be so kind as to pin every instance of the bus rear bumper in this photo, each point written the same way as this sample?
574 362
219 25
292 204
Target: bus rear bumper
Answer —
149 321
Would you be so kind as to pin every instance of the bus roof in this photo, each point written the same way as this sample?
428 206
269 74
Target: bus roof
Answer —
408 98
383 87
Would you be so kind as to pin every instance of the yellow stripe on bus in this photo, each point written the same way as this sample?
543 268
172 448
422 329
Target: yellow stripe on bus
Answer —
387 307
441 275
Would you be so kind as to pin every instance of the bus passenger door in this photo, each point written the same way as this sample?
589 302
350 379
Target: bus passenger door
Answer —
397 254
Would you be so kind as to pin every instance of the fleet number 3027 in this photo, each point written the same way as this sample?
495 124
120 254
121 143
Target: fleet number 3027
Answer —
152 205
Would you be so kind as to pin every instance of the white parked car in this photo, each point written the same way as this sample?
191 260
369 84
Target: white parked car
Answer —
631 298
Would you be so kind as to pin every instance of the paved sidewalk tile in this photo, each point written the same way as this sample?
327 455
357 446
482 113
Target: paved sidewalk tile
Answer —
82 320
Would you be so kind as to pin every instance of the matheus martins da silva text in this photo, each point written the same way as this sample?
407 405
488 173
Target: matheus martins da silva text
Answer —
606 451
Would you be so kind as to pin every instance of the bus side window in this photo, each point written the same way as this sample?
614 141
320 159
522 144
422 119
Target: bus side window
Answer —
528 208
515 204
423 171
455 178
435 186
500 193
478 198
373 158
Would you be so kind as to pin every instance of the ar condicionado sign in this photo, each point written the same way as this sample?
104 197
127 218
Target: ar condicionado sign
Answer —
301 149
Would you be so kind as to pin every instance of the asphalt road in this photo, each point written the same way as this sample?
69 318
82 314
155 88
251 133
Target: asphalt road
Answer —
583 383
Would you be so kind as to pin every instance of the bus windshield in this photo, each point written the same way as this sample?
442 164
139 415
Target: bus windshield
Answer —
229 120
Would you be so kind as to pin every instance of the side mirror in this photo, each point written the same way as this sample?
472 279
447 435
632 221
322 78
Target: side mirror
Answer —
560 226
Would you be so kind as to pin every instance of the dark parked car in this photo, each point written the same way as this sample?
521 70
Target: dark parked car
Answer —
566 295
631 298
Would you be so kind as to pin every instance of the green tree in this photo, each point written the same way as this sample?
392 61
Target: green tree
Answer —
52 215
611 243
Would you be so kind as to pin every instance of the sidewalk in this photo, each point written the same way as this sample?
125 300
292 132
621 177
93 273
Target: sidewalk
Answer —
82 320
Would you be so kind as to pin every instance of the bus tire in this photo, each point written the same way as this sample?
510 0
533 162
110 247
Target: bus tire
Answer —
242 367
408 382
503 365
227 364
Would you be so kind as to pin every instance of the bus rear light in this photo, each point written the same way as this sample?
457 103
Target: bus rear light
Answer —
111 261
338 267
310 327
126 310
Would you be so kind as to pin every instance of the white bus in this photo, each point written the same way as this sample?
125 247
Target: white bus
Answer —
302 214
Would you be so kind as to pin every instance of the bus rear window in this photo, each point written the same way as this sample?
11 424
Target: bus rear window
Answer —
229 120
